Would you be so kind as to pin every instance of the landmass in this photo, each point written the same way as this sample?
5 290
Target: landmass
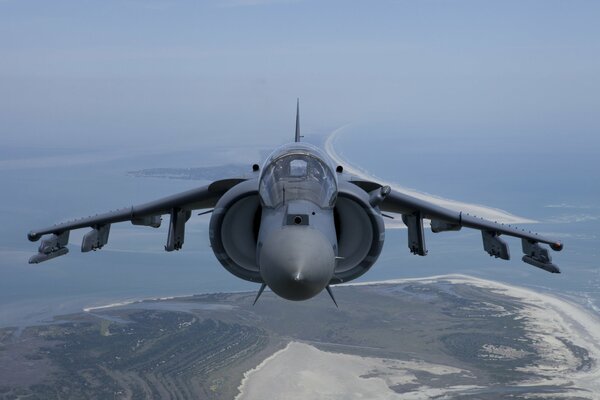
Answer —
207 173
444 337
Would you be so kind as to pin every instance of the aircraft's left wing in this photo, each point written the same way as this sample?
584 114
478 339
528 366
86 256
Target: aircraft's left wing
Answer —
414 210
178 206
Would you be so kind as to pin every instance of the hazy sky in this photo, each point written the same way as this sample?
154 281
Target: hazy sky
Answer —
76 73
454 96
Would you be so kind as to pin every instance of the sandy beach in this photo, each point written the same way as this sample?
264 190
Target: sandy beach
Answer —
551 324
310 373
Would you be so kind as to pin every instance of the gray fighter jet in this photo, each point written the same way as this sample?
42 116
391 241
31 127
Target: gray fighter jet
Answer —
298 224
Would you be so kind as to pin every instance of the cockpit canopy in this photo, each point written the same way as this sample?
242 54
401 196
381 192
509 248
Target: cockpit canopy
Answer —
297 172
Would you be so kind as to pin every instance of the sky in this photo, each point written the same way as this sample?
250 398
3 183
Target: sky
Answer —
491 102
146 75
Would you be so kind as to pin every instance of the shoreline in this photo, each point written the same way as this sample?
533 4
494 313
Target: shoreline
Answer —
549 318
491 213
550 321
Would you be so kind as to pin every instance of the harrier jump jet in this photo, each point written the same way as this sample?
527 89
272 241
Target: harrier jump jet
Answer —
298 224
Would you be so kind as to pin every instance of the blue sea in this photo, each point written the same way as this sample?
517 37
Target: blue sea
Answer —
550 179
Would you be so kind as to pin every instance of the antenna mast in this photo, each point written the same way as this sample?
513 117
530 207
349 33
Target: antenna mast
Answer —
298 136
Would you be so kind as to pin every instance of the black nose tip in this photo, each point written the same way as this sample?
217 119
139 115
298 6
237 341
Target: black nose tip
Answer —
297 262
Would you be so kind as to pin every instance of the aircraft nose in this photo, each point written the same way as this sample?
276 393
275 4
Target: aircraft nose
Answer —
297 262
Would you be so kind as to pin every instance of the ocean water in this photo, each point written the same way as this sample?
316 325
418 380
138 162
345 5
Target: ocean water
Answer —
552 179
132 266
552 183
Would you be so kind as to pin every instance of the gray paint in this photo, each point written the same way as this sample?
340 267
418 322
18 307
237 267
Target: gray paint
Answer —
296 262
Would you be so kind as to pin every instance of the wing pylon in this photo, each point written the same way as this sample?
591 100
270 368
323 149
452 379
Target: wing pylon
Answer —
414 210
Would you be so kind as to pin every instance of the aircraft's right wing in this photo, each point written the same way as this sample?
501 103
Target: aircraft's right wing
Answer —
414 210
178 206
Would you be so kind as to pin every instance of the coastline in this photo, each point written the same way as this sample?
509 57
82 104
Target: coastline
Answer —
479 210
551 324
338 375
24 312
551 320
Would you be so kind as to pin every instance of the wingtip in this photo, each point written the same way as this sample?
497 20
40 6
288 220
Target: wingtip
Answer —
33 237
558 246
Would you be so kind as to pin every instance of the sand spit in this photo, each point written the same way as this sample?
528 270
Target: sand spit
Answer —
490 213
112 305
551 324
301 371
129 302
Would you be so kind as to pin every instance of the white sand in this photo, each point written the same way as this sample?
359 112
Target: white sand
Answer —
111 305
129 302
301 371
490 213
549 321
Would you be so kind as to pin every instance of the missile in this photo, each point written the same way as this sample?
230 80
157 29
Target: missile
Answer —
40 257
547 266
538 256
52 247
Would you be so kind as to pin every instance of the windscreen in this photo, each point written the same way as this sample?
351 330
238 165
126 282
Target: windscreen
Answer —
297 176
